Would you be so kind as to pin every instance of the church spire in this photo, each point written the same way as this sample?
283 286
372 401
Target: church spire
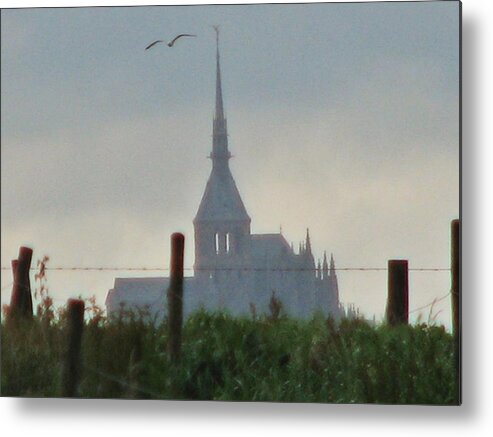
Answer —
220 153
221 201
334 287
308 243
219 114
325 266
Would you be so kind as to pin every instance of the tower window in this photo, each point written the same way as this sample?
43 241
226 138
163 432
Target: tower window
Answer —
216 242
228 242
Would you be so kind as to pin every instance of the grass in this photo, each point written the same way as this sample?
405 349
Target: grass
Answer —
236 359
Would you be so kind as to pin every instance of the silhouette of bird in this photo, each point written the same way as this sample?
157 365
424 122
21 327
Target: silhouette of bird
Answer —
153 44
170 44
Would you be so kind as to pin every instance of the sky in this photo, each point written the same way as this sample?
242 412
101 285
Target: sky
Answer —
342 118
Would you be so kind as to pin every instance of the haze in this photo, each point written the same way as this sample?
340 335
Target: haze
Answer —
343 118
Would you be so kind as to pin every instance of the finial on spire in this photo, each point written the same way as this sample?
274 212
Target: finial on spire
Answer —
216 29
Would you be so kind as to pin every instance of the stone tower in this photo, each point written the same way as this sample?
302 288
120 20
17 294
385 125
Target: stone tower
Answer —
222 225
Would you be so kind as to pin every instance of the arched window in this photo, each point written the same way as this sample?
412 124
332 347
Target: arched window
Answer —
228 242
216 242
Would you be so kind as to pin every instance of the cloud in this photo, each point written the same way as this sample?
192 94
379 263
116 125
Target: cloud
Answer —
342 118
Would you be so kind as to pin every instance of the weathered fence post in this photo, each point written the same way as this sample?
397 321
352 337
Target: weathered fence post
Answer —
398 292
455 279
21 304
75 324
15 263
456 300
175 296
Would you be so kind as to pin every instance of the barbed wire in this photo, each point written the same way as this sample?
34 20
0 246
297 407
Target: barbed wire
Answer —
433 302
229 269
254 269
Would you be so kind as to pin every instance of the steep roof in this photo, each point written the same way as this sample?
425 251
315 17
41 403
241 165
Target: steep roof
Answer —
221 199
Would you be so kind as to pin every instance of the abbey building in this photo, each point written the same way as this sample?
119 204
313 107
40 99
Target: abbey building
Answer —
236 270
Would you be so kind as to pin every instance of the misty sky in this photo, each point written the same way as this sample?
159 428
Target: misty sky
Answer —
343 118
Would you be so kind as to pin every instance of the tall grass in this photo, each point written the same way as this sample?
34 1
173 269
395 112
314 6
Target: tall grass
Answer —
237 359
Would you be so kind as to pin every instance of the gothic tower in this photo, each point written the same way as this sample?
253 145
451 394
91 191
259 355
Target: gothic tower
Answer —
334 287
222 225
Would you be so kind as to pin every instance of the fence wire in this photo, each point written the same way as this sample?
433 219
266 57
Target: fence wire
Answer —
244 269
433 302
231 269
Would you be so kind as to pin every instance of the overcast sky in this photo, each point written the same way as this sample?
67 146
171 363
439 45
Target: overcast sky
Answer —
343 118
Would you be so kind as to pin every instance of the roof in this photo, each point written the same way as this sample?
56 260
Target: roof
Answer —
221 199
137 291
141 292
269 247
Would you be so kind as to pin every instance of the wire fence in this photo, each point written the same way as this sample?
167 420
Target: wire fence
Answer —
433 302
136 390
238 269
231 269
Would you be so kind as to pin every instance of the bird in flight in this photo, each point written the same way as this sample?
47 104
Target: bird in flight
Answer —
170 44
154 43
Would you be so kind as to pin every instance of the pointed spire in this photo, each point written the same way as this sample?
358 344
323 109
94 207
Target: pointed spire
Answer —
308 243
325 266
221 200
220 153
334 287
219 115
319 270
332 264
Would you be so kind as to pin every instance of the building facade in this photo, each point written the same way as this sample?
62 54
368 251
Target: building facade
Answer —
235 270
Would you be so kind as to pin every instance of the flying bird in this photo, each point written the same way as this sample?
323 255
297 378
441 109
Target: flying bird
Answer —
170 44
153 44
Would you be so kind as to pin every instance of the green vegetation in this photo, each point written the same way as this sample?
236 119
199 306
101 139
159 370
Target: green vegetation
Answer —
241 359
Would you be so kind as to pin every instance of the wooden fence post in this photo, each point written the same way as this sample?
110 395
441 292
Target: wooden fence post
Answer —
456 301
15 263
398 292
175 296
75 324
21 304
455 279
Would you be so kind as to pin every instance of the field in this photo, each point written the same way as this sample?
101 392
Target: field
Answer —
238 359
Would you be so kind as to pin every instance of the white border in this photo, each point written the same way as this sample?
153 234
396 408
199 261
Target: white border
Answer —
130 418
